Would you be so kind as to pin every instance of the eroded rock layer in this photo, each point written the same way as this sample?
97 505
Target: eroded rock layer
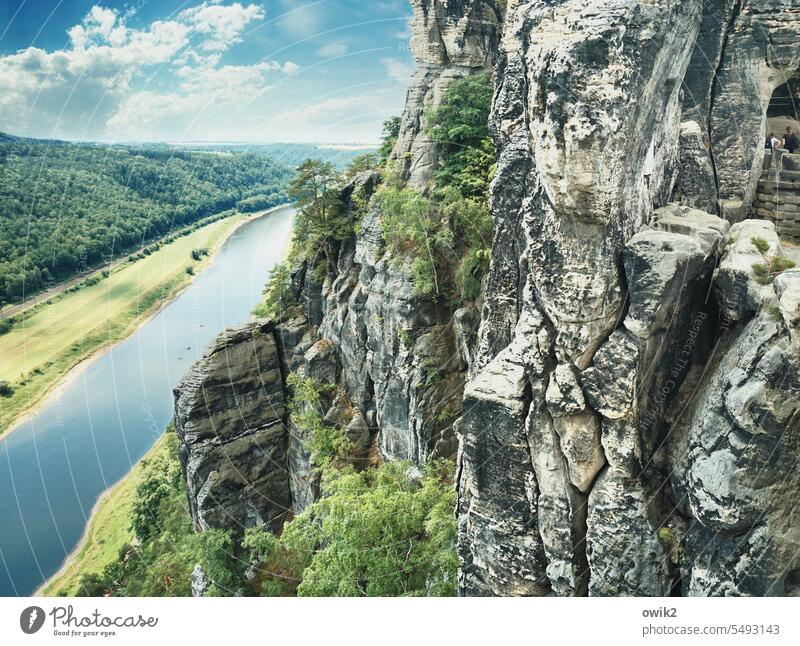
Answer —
623 397
230 419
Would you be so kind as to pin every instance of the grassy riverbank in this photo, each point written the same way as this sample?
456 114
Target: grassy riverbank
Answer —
50 339
109 529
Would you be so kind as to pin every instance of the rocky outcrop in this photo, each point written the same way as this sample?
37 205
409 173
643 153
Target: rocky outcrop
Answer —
602 311
230 419
450 40
745 50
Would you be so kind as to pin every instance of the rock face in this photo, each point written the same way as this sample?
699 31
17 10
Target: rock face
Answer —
744 51
623 398
230 418
451 39
598 324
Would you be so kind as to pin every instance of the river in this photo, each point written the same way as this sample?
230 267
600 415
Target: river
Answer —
56 465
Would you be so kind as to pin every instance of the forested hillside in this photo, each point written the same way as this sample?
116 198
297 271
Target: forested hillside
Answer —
65 207
294 154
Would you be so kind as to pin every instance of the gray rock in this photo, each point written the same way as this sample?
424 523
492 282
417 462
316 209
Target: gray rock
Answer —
200 582
229 416
738 291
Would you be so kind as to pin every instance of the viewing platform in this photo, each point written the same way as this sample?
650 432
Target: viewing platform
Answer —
778 195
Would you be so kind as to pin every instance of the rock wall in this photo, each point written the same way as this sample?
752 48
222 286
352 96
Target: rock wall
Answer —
625 418
230 419
598 330
450 39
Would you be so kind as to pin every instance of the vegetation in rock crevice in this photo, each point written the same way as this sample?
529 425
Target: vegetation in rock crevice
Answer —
447 236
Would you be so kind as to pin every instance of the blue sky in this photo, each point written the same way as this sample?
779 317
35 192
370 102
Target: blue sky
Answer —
169 70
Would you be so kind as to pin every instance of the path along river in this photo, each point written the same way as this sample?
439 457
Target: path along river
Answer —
55 466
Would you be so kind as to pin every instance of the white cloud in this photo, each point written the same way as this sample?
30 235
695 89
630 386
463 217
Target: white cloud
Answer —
331 50
360 115
87 89
222 25
397 69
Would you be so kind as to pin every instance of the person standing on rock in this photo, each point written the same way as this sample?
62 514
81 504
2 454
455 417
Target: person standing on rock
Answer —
790 141
773 144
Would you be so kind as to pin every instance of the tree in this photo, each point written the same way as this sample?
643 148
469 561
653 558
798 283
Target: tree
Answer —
460 126
391 131
374 533
320 223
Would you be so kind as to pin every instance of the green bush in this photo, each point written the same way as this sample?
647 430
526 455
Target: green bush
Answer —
460 126
409 228
5 326
391 131
373 533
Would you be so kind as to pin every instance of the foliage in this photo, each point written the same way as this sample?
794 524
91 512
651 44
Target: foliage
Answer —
768 271
360 164
327 442
220 563
161 565
447 237
320 222
161 475
5 326
374 533
6 389
278 295
391 131
471 225
67 207
760 244
409 227
460 126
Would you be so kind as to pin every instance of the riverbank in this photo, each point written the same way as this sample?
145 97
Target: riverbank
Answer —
108 529
108 526
58 341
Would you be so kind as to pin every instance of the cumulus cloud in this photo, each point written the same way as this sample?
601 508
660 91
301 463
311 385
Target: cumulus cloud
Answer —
88 88
222 25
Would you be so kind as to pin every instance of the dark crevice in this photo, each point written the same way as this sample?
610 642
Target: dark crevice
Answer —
713 99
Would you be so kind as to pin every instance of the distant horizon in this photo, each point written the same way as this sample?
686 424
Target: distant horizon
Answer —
352 145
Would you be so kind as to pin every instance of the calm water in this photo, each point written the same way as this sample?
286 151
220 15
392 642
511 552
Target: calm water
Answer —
54 467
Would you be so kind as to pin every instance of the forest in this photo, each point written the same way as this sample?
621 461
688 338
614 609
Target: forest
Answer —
68 207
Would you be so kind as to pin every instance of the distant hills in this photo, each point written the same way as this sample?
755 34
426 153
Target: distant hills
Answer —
66 207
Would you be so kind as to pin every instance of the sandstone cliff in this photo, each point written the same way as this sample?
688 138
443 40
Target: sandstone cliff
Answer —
623 399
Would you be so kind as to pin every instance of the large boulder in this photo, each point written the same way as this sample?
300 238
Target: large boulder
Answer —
230 419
